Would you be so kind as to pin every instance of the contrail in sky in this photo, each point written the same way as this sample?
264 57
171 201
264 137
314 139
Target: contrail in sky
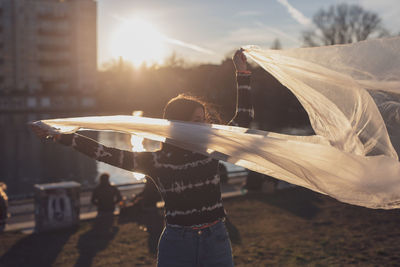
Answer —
174 41
296 14
187 45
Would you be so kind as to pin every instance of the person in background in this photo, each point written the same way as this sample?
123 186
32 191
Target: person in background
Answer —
105 196
223 173
258 182
3 206
150 195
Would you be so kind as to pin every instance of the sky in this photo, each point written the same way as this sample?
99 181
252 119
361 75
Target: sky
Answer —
207 31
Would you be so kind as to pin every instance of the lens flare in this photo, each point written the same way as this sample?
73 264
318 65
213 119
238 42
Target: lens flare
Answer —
137 146
138 41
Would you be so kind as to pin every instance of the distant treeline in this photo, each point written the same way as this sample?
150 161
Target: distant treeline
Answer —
122 88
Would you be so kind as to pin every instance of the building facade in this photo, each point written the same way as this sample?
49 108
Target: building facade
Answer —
48 67
48 46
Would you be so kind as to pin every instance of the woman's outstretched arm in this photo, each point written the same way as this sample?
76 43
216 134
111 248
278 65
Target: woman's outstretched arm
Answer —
119 158
128 160
244 105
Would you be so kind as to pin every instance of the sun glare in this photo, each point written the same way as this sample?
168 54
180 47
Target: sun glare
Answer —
137 146
138 41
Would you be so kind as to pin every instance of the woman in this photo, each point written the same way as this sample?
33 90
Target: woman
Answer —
195 233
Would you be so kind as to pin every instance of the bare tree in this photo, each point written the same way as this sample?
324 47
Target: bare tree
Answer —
276 44
174 61
343 24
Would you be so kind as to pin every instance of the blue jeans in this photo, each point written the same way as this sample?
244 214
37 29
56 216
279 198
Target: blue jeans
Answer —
183 246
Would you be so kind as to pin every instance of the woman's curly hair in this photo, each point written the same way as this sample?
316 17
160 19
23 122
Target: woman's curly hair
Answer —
182 107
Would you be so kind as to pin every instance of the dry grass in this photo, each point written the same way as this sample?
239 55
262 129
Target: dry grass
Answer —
290 228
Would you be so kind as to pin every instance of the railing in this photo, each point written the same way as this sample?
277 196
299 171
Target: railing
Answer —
53 47
53 62
22 207
53 16
55 32
46 103
232 176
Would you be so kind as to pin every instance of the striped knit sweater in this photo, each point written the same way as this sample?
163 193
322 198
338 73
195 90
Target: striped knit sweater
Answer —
188 182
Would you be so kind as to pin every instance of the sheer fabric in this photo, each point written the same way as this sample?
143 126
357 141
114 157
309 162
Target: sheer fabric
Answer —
344 90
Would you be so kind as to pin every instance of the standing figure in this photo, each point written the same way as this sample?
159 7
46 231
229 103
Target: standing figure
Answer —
195 233
105 196
3 206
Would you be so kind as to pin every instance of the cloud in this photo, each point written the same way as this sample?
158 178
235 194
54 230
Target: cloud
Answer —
278 33
249 13
296 14
259 34
167 39
188 45
390 16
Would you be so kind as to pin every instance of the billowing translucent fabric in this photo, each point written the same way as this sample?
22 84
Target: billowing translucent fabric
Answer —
350 158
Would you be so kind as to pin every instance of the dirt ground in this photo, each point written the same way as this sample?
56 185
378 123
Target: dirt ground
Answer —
292 227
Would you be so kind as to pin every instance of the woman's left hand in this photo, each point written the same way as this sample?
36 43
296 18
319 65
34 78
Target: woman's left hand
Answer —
43 131
240 61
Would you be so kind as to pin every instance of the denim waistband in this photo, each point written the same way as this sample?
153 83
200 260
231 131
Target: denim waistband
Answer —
190 228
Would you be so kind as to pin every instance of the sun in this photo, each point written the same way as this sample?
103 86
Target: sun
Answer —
138 41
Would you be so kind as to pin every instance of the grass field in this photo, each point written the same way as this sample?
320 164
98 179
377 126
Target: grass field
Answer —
293 227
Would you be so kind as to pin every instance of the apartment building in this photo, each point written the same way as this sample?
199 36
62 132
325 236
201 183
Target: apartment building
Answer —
47 46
